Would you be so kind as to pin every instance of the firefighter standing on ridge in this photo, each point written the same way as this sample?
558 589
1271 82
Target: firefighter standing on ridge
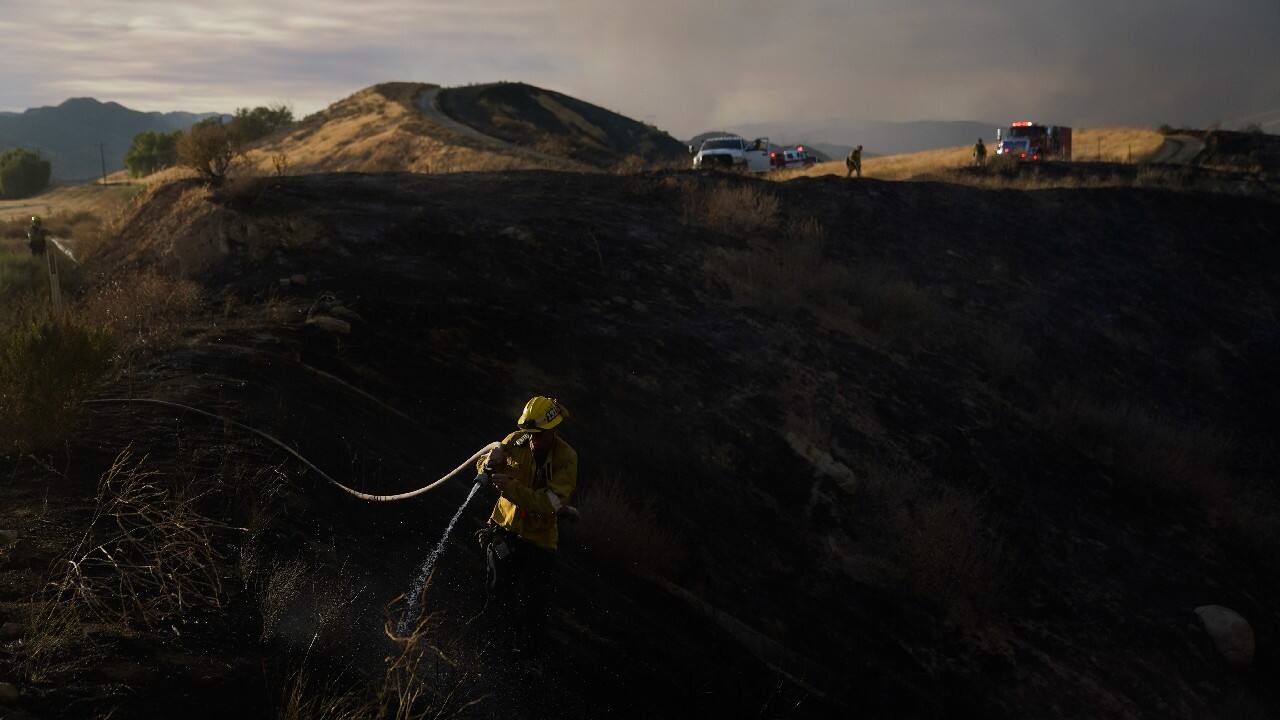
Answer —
853 163
979 154
536 473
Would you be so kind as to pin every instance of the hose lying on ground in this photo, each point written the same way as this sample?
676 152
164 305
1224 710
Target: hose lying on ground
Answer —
354 493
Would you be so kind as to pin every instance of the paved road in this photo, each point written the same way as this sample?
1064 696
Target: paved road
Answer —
1178 150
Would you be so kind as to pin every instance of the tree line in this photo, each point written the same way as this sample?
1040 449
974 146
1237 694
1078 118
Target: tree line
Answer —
23 174
209 146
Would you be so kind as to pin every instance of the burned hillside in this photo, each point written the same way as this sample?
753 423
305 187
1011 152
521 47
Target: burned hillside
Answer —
888 449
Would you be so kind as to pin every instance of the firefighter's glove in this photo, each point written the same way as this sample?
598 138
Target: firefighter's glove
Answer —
501 480
497 457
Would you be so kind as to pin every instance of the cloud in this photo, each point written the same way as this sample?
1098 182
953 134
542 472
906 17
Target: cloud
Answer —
684 66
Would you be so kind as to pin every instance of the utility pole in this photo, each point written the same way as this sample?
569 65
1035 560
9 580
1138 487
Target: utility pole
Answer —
102 155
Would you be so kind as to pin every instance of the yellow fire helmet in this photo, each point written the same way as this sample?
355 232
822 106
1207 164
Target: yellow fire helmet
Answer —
541 413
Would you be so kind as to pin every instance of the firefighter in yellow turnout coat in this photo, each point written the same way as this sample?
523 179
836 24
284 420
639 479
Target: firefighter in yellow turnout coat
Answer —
535 472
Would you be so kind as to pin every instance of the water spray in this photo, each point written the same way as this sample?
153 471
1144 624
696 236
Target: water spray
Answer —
414 596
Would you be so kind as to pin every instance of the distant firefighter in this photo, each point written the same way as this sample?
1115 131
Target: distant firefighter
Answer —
979 154
853 163
36 236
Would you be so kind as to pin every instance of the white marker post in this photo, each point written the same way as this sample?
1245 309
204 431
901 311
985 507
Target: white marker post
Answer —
55 284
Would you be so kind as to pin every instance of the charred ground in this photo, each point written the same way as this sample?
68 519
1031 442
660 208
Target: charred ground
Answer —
907 449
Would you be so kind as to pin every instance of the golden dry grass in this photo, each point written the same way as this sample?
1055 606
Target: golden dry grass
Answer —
70 199
1115 145
143 310
371 132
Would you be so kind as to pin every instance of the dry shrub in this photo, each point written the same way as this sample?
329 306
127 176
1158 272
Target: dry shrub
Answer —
409 689
280 164
147 555
54 641
1154 458
620 531
422 678
785 276
897 308
948 556
145 310
305 699
630 165
46 369
732 209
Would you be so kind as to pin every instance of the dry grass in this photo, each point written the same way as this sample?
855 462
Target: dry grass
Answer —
144 310
147 555
622 531
306 699
54 641
782 276
1116 145
377 130
948 554
68 200
732 209
145 558
795 272
1153 457
895 307
950 558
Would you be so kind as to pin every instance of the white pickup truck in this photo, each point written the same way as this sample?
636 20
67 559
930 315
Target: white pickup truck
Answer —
730 152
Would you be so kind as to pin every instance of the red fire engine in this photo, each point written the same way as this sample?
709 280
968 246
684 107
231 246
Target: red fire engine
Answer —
1027 141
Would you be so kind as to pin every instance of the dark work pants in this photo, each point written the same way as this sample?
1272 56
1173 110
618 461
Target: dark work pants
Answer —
518 590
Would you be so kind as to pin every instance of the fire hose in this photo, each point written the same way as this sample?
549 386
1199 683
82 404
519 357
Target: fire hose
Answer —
280 444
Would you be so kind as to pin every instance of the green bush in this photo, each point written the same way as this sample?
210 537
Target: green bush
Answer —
23 174
152 151
46 368
249 125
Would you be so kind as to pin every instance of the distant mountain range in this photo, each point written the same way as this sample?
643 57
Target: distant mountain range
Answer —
68 135
835 137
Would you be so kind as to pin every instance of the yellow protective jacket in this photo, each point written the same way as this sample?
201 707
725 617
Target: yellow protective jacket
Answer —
528 506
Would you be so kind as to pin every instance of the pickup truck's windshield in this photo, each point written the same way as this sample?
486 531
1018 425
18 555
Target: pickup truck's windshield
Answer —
728 144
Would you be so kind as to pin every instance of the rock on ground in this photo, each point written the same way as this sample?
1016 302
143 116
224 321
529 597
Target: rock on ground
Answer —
1231 633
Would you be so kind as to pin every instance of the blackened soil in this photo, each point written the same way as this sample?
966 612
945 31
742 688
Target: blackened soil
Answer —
740 423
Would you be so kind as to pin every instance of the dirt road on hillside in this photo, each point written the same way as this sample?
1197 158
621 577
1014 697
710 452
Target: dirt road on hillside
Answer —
1178 150
428 105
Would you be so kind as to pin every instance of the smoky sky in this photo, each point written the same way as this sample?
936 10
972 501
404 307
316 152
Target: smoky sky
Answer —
684 66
